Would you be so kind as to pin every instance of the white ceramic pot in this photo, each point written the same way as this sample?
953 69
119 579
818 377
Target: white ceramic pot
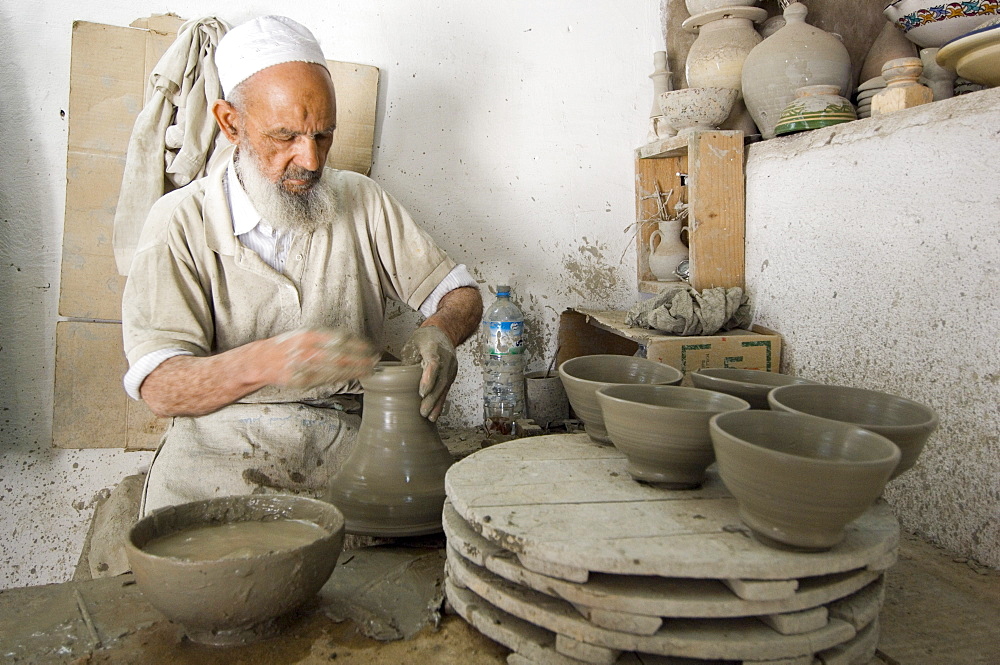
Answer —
939 79
815 106
691 109
700 6
795 56
725 39
933 23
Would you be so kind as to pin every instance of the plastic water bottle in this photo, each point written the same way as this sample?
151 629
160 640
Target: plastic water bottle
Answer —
503 364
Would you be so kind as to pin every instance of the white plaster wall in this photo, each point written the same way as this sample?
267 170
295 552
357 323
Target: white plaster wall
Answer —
874 248
507 128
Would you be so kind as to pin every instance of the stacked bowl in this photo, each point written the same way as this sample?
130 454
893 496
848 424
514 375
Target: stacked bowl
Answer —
583 376
799 480
802 459
663 430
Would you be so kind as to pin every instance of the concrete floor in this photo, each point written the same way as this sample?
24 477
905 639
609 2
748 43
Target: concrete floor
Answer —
939 610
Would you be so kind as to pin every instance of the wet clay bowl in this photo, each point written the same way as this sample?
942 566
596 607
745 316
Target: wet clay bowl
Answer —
583 376
663 430
906 423
799 480
240 598
753 385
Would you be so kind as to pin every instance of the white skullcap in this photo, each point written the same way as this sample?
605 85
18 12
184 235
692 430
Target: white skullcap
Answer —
262 43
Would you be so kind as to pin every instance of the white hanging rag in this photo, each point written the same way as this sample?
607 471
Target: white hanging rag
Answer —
174 137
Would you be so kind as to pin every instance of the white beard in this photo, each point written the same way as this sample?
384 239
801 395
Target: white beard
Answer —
281 209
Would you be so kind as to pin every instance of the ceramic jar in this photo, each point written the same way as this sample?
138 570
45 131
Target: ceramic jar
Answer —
662 82
725 38
666 250
392 483
933 23
815 106
939 79
795 56
700 6
890 44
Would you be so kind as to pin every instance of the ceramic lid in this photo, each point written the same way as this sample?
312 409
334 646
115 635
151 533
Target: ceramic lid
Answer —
693 23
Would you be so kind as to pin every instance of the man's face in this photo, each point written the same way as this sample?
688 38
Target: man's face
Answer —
287 121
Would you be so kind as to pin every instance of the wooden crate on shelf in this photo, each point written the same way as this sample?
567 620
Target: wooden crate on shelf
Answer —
705 171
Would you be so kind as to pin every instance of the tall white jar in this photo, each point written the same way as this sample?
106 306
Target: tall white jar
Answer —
795 56
725 39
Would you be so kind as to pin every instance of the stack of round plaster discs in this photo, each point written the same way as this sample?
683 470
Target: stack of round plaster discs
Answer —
554 551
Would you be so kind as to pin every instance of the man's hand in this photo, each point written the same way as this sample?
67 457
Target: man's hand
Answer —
314 357
430 347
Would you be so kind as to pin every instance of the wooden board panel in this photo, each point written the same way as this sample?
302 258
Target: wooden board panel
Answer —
716 218
90 407
585 519
731 639
649 595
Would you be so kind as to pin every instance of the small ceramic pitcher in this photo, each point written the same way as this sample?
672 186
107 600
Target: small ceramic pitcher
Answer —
666 250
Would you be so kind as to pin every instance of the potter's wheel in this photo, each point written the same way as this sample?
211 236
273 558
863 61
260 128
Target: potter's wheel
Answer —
550 537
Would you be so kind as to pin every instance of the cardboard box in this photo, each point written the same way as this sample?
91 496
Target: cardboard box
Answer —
758 349
91 407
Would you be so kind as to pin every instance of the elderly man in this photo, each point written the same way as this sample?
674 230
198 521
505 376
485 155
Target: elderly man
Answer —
256 297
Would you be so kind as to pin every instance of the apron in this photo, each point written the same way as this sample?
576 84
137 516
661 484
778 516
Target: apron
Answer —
264 448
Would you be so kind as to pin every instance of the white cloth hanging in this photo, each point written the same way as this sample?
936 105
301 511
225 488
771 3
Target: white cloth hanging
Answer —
174 137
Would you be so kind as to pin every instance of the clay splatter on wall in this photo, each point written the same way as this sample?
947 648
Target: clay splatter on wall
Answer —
593 277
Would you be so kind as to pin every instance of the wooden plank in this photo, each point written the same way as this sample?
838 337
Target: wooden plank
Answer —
578 338
588 653
759 348
733 639
672 146
716 218
649 596
621 621
762 589
806 621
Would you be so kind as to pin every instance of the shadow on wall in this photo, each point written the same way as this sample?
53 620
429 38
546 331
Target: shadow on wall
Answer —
29 238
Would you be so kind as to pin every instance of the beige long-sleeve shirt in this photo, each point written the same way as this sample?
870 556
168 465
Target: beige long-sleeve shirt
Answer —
194 286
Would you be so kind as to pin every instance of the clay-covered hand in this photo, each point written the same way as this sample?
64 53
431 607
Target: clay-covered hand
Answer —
319 356
433 350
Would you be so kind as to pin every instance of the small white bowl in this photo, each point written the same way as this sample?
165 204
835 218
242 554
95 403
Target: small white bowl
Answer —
691 109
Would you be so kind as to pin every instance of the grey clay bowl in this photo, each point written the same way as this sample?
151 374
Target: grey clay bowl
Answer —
906 423
799 480
663 430
234 600
583 376
750 384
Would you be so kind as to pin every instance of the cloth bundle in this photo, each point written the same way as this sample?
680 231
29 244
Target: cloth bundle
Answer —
681 310
174 135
